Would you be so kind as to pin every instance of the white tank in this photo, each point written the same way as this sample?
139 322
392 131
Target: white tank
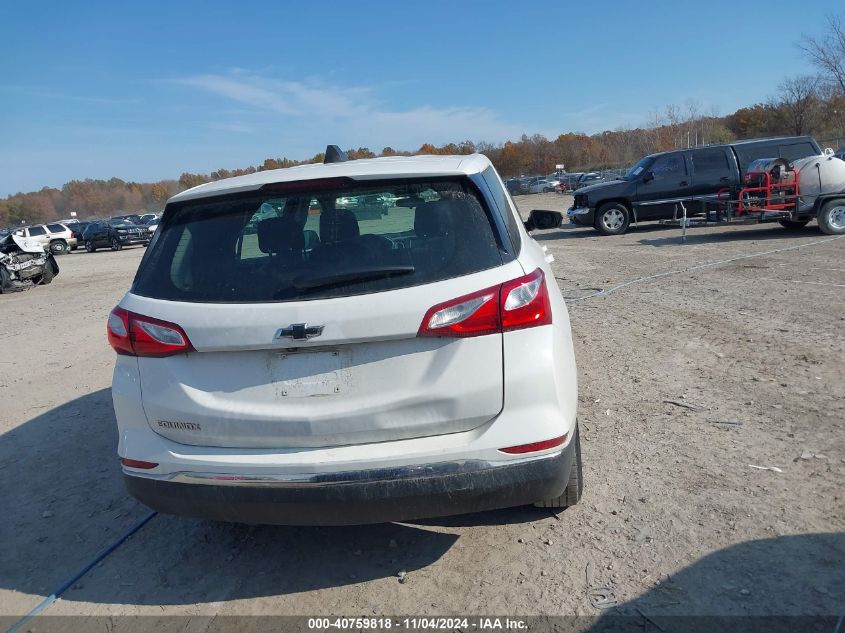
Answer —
818 175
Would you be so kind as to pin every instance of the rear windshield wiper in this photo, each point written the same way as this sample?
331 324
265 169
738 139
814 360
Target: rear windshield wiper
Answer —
309 282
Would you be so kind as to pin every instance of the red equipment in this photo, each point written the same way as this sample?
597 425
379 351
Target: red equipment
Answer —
770 185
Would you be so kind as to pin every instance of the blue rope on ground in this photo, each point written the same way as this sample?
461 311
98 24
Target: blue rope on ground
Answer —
39 608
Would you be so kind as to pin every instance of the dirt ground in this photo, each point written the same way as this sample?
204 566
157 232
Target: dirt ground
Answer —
674 520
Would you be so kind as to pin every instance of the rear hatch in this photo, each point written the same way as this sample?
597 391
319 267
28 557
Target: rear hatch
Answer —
303 310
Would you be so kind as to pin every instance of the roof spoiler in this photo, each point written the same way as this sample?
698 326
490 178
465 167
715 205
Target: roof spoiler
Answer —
335 155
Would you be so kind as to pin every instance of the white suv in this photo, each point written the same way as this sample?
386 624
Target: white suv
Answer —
282 360
56 238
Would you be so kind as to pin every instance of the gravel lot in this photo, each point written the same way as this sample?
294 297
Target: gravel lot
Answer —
675 520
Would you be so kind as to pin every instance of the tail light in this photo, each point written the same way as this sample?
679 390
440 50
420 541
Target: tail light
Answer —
138 335
517 304
525 302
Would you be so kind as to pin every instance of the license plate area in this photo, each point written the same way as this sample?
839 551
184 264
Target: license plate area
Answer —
308 374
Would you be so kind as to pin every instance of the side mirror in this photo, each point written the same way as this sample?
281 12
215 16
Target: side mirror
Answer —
648 176
540 219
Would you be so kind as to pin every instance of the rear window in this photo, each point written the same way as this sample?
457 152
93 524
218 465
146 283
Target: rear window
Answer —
794 151
314 244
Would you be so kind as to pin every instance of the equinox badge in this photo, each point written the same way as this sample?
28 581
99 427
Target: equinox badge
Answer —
299 331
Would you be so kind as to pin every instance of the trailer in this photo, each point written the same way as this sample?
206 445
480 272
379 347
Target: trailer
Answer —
775 190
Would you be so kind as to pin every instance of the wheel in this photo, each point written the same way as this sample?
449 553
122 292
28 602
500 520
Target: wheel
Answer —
546 189
115 244
47 275
612 218
793 225
89 246
575 487
832 217
5 279
58 247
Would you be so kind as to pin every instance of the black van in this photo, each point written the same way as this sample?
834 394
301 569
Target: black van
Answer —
651 189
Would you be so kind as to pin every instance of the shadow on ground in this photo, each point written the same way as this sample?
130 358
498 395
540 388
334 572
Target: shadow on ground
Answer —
506 516
60 477
789 583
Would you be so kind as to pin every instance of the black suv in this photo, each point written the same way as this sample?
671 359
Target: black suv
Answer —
115 234
653 188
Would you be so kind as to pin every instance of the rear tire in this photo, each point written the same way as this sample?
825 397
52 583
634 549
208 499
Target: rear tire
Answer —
58 247
612 218
832 217
793 225
47 275
575 487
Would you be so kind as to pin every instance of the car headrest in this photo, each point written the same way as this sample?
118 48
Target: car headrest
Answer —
434 219
338 226
280 235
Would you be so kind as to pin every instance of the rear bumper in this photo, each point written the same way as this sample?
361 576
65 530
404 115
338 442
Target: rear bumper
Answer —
365 496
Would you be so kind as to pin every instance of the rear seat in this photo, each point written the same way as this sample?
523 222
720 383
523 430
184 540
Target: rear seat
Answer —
434 241
282 239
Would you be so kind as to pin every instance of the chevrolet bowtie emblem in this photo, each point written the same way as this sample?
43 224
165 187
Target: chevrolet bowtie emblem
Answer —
299 331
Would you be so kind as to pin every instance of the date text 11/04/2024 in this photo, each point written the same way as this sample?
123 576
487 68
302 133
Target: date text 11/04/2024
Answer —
418 624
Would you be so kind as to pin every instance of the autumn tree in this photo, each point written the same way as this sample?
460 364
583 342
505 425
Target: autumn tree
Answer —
751 122
361 152
187 180
797 104
159 193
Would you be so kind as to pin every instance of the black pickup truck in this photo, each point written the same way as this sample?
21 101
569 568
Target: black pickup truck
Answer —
653 188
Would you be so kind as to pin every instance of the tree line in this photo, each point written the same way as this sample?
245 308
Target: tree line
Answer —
808 104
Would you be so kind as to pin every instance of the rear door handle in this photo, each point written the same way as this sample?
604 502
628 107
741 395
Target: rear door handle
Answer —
684 183
725 179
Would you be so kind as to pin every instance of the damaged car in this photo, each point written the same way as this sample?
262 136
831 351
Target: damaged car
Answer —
24 264
281 361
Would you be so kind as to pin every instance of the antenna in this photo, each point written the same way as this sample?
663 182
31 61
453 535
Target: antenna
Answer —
335 155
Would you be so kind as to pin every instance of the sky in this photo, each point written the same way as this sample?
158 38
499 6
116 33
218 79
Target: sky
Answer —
147 90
